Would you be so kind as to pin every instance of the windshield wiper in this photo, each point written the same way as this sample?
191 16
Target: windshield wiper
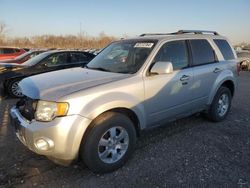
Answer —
97 68
125 72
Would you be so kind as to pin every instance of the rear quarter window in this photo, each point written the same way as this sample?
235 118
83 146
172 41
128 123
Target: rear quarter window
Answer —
225 49
202 52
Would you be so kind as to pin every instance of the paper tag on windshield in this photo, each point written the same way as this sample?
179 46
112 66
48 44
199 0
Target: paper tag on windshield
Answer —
143 45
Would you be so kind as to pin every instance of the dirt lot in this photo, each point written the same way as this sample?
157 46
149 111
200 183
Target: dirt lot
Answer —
192 152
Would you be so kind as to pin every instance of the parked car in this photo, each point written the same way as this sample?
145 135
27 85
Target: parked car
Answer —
11 74
244 59
10 53
98 111
27 49
22 58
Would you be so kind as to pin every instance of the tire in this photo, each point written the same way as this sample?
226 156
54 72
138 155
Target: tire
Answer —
12 88
221 105
108 155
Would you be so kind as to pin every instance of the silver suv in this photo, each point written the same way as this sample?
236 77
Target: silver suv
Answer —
97 112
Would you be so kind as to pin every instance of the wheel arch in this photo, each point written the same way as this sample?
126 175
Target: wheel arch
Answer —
8 80
229 83
123 110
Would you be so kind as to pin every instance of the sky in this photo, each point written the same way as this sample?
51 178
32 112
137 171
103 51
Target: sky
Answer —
25 18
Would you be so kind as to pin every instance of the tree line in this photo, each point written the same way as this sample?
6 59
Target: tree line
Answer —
80 41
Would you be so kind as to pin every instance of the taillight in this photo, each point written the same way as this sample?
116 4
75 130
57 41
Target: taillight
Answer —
238 68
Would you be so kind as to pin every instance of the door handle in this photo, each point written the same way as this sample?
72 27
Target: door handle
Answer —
184 78
216 70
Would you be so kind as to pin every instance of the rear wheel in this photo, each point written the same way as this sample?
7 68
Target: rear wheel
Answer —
221 105
13 88
109 143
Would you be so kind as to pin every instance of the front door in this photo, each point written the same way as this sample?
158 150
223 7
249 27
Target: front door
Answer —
56 61
169 96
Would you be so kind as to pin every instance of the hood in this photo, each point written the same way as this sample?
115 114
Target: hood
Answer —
6 67
7 64
54 85
8 61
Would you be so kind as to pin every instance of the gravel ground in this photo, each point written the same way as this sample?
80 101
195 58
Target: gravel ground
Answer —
191 152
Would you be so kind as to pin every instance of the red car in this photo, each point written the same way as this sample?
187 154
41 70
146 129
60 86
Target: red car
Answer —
22 58
10 53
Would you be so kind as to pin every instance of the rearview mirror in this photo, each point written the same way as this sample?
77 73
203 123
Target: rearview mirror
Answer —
162 67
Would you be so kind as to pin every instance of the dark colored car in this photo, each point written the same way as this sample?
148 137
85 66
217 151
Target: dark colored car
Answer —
24 57
244 60
10 52
26 49
12 74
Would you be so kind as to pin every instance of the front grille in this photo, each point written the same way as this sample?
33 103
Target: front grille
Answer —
27 107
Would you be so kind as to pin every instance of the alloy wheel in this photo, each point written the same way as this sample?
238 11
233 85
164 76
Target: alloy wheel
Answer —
113 145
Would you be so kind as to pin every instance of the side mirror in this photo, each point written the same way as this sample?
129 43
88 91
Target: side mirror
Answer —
162 67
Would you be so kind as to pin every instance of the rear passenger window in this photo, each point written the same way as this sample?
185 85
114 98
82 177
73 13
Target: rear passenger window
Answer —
202 52
174 52
78 58
225 49
8 51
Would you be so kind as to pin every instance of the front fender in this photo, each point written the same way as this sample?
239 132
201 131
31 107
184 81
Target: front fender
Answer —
115 100
224 76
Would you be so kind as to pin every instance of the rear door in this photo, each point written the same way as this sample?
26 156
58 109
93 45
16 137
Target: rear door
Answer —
206 69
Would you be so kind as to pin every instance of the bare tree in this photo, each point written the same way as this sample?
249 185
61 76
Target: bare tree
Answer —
2 32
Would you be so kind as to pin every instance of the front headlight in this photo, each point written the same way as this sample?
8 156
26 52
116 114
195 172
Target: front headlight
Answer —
47 111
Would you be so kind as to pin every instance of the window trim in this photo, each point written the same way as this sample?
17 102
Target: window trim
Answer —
191 54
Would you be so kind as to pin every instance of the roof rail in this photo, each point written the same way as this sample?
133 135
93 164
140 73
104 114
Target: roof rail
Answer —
146 34
196 32
181 32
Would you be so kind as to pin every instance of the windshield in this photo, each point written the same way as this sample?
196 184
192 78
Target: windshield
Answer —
123 56
36 59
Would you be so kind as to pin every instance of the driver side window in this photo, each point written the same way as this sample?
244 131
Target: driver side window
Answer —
174 52
56 60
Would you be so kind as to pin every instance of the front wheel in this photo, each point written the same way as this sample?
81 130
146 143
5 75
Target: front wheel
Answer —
221 105
13 88
109 143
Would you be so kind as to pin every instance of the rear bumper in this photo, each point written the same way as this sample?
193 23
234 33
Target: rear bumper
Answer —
59 139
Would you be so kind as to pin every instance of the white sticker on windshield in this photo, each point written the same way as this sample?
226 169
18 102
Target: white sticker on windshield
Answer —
143 45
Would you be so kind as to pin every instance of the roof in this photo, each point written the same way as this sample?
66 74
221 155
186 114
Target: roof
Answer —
57 51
